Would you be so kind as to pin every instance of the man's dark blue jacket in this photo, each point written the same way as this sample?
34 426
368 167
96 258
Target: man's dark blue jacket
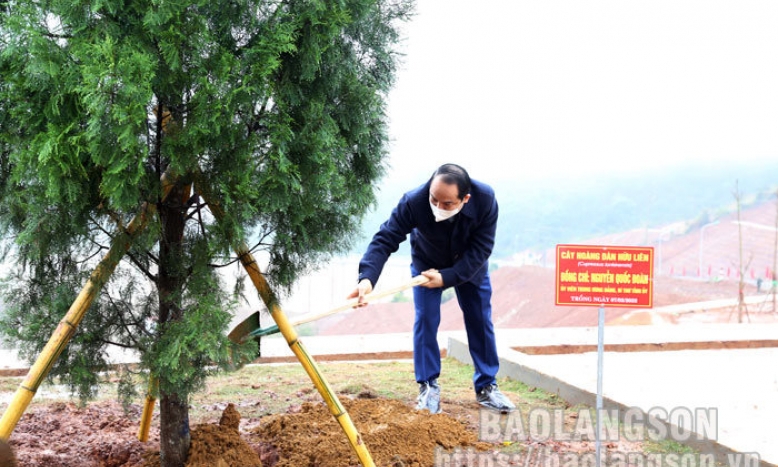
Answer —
458 247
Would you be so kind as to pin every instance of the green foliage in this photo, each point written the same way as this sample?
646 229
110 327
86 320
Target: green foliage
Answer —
667 446
185 348
127 387
279 107
36 301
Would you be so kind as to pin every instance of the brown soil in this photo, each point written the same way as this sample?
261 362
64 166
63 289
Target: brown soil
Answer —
102 435
222 444
395 434
7 458
65 435
215 445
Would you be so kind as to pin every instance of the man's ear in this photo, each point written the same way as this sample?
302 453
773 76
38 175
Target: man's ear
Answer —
466 198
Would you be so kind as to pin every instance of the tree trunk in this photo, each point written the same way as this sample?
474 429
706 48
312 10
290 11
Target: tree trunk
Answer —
173 430
174 408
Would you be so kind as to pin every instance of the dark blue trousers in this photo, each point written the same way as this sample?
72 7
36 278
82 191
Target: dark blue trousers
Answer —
475 302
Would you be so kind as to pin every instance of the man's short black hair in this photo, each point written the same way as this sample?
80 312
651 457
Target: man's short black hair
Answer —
453 174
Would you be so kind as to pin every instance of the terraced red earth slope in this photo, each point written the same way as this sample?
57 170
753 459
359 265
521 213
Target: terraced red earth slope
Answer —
524 295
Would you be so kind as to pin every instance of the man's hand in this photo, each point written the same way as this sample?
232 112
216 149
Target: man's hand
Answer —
363 288
436 279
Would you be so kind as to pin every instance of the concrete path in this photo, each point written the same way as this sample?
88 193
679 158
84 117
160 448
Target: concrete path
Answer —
734 389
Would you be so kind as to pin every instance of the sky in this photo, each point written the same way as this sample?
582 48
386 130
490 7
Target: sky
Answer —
567 88
559 89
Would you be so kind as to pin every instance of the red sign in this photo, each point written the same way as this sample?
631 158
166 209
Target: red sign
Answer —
616 276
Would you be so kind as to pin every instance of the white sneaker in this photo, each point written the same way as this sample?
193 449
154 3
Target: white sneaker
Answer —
491 398
429 396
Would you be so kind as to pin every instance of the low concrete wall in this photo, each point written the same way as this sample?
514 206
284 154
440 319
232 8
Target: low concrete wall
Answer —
535 373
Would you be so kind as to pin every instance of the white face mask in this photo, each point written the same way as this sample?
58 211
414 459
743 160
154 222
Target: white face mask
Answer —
441 215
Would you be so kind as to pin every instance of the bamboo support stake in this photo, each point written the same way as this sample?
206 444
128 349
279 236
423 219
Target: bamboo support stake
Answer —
292 339
67 326
308 363
148 410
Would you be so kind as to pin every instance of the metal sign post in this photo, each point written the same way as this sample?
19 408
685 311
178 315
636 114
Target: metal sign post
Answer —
600 352
615 276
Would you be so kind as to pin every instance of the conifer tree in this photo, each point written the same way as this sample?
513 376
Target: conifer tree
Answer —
278 105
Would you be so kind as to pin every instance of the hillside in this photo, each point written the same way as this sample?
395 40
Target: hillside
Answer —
710 251
538 211
524 295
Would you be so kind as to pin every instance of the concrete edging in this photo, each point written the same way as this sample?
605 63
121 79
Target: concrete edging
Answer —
512 367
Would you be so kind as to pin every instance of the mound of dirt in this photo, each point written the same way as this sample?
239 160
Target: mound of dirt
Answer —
216 445
102 435
395 435
221 445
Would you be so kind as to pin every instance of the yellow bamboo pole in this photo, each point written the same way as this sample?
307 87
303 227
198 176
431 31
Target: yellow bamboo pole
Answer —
308 363
148 410
292 339
67 326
